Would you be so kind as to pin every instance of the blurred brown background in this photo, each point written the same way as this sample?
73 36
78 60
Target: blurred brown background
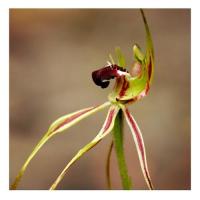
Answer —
52 55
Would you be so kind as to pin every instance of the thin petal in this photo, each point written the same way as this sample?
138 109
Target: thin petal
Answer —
69 120
108 177
59 125
106 129
137 136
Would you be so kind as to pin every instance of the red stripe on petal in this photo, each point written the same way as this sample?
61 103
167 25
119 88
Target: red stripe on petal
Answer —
109 120
136 132
141 147
73 117
147 88
150 68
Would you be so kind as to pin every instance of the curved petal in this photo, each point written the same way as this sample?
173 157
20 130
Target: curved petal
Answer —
149 57
106 129
137 53
59 125
69 120
139 85
137 136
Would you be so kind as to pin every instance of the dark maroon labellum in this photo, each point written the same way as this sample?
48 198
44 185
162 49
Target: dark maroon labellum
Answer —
102 76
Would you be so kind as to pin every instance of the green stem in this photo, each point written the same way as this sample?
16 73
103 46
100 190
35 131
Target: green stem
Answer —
118 141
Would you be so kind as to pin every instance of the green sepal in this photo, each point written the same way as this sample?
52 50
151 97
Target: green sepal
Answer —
120 57
139 84
137 53
149 56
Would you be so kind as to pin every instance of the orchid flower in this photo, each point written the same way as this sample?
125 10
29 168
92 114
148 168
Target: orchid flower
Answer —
130 86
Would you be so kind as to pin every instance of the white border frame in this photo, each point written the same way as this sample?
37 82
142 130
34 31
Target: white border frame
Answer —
4 97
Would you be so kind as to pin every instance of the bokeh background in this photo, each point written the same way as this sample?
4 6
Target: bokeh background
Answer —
52 55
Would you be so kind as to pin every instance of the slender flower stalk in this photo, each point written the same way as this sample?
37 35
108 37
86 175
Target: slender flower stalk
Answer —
119 148
130 86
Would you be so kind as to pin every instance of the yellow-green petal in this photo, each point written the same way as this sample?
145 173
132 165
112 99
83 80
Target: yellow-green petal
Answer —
106 129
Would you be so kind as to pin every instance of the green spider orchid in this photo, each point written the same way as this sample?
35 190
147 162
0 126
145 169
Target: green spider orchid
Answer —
130 86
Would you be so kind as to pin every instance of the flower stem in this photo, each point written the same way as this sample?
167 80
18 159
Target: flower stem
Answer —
119 149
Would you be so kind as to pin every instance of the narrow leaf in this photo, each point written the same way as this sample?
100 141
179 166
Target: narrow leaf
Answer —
137 136
59 125
106 129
